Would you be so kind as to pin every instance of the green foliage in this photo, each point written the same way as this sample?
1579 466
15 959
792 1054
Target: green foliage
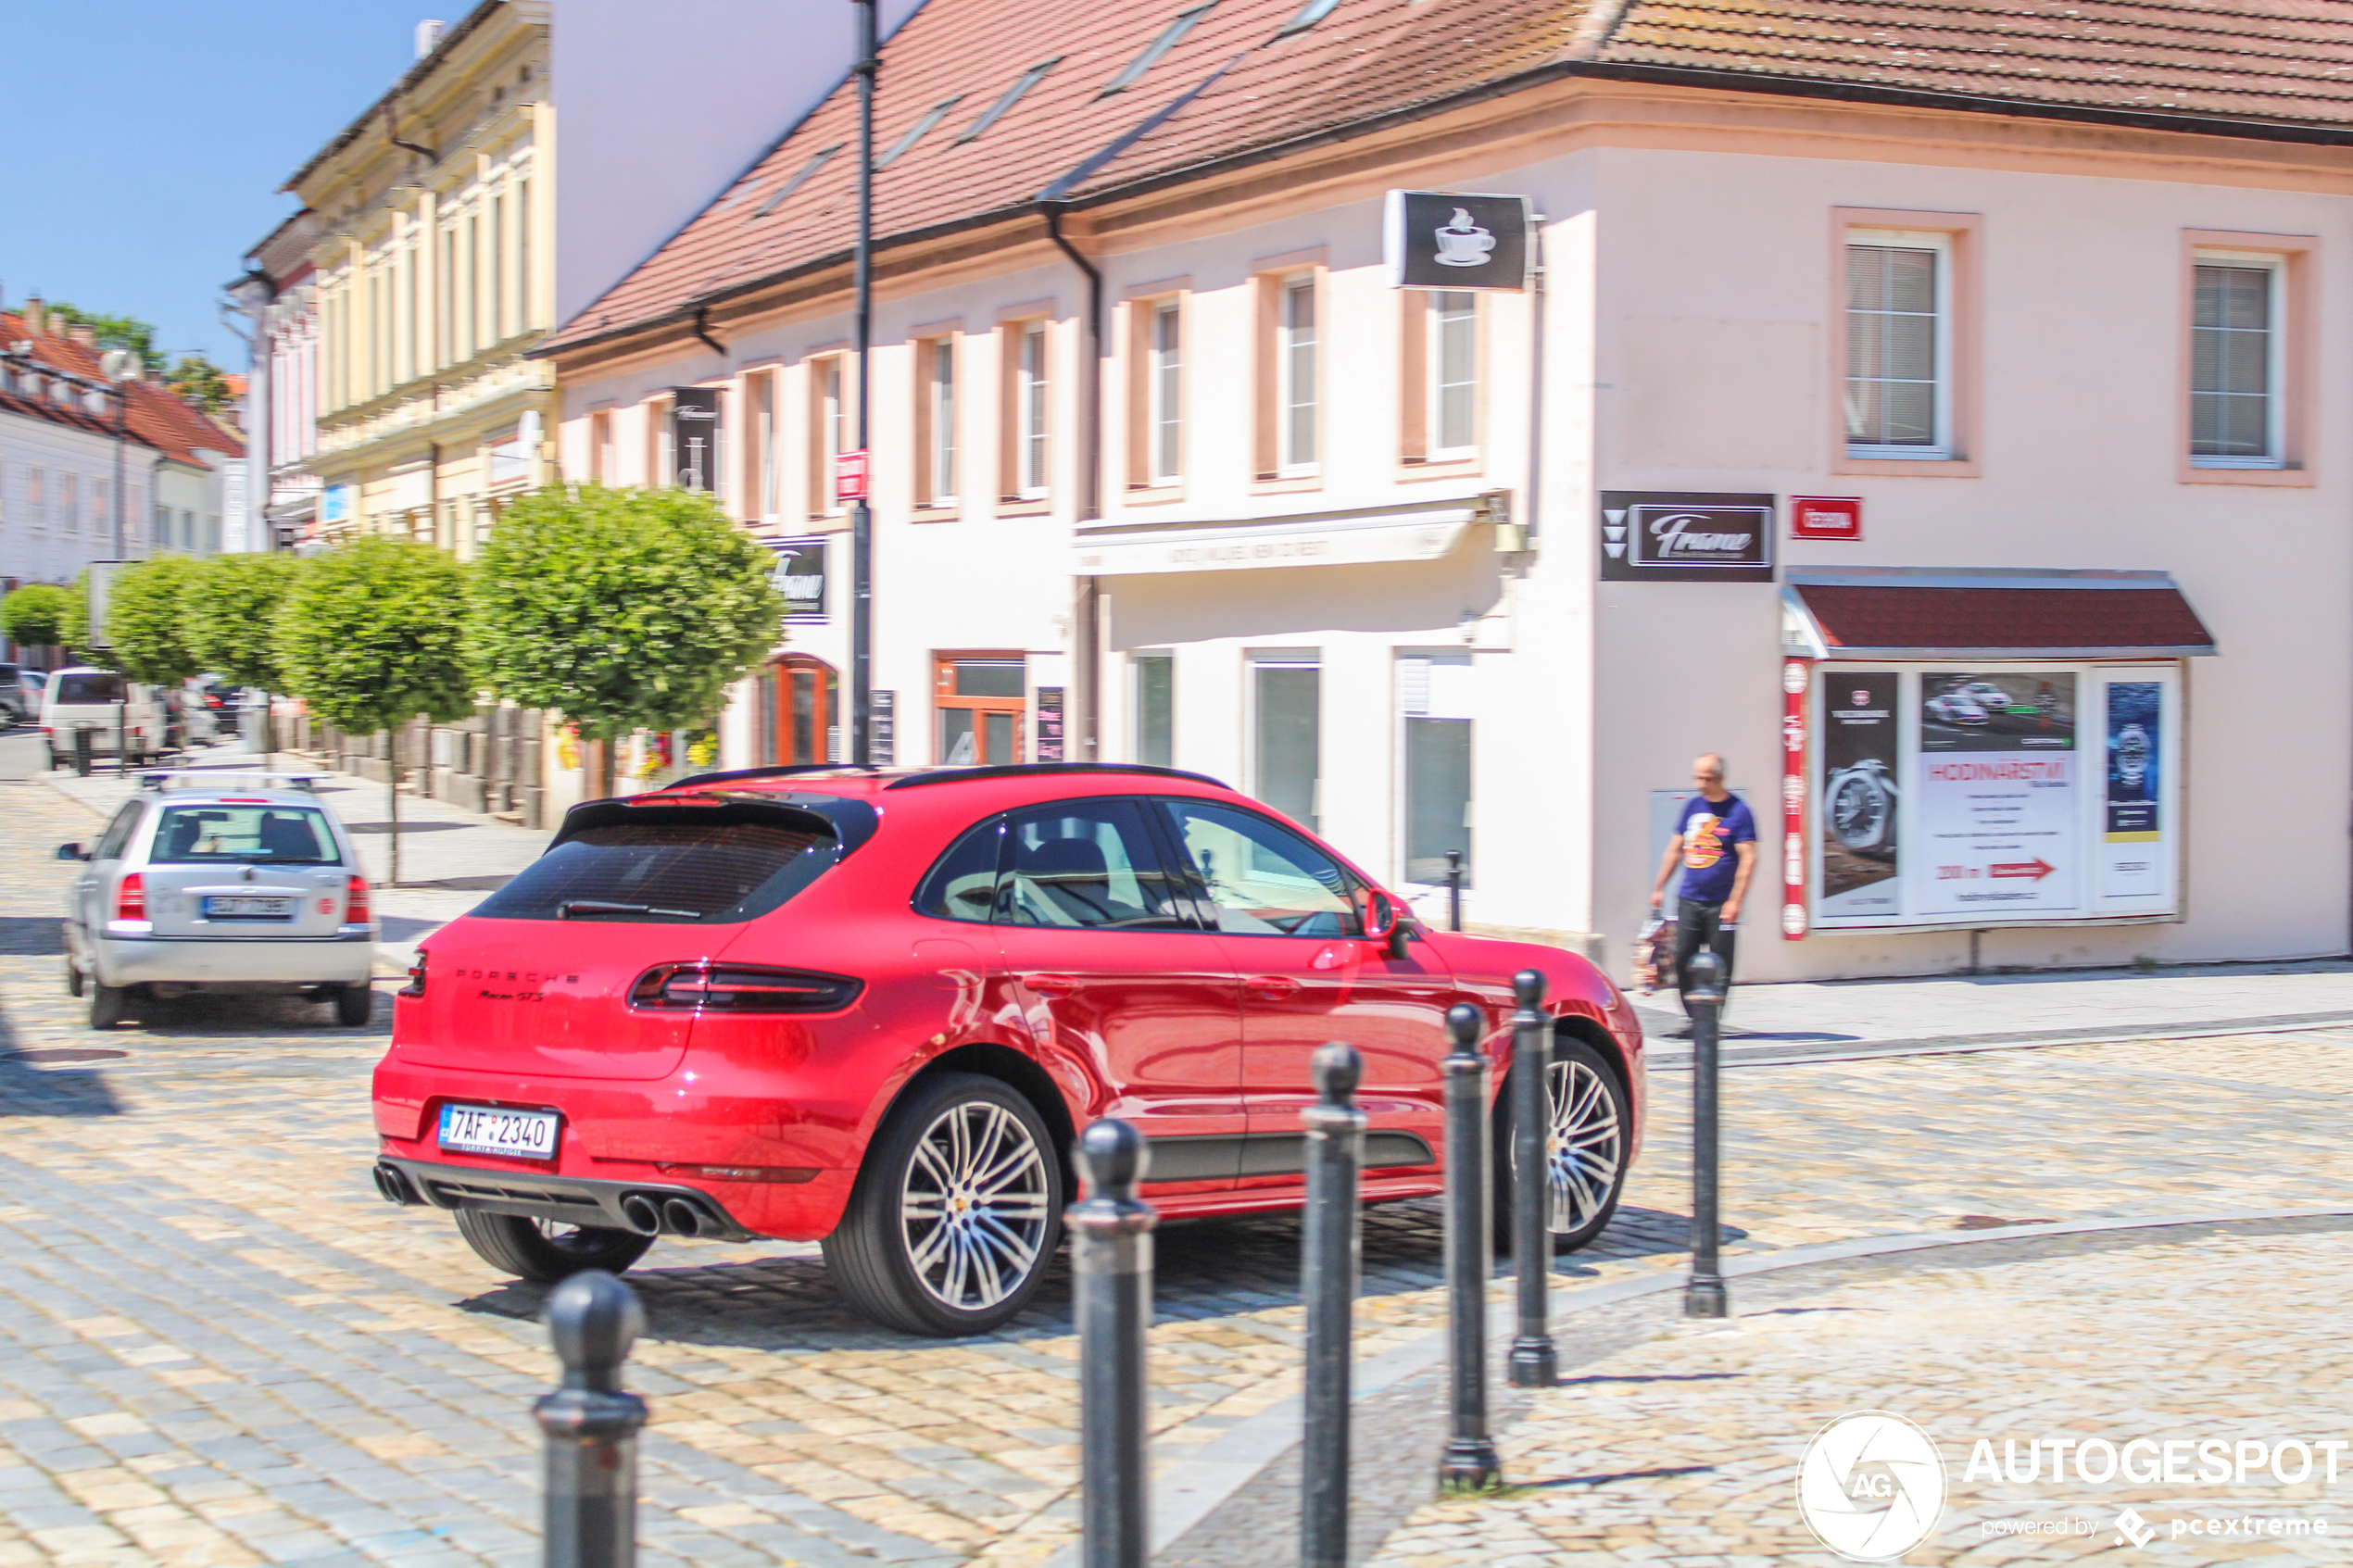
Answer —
622 609
233 606
113 332
199 381
36 614
369 635
75 623
147 620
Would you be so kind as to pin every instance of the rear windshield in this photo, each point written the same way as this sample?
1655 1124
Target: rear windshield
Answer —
707 865
89 688
281 836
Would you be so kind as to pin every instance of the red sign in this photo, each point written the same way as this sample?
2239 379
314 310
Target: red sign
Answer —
849 476
1797 680
1826 516
2036 868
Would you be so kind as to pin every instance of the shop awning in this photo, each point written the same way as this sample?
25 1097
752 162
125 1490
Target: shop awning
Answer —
1928 612
1390 534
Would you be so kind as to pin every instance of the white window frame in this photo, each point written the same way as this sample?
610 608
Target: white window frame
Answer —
1033 386
1165 393
1939 450
829 400
1434 364
1289 464
1136 701
940 391
2275 359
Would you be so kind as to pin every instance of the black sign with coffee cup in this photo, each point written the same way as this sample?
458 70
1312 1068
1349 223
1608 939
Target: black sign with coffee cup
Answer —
1443 240
1675 537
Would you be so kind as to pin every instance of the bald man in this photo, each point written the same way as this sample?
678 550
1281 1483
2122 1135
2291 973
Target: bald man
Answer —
1716 842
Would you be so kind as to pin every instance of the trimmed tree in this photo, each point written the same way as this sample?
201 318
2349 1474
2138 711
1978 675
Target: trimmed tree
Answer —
35 615
368 637
233 606
621 609
147 621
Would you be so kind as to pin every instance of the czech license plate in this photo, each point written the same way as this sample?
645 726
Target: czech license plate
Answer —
480 1129
247 909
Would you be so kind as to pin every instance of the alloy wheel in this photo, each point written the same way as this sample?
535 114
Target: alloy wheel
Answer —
1586 1148
974 1212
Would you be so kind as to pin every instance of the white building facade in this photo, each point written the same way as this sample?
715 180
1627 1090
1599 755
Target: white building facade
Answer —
1936 467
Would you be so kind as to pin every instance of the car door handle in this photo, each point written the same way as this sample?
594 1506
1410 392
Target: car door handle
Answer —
1052 985
1273 987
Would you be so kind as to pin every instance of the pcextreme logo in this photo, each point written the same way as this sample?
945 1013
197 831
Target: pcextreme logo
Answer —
1871 1485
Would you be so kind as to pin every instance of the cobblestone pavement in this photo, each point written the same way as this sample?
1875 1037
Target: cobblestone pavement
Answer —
217 1346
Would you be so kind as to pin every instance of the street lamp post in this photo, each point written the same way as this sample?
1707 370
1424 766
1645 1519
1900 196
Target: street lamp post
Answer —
862 513
252 296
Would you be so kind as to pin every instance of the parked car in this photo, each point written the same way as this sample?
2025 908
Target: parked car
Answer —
219 882
1952 708
114 710
873 1010
16 705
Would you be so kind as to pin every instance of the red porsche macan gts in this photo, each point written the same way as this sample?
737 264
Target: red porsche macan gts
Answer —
872 1009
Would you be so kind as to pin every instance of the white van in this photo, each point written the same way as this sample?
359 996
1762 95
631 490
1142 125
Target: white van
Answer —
101 701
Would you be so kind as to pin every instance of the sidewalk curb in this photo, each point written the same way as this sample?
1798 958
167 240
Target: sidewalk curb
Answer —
1733 1055
1189 1491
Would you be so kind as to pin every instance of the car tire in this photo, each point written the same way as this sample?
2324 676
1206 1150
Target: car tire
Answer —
1589 1173
544 1251
946 1274
73 977
108 1005
354 1005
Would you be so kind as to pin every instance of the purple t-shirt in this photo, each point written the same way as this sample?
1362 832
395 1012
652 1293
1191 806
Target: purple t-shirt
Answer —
1710 828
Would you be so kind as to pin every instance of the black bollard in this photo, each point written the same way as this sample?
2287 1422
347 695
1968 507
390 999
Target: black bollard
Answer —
1331 1267
1469 1461
81 750
1111 1247
1533 1364
1704 999
591 1426
1454 890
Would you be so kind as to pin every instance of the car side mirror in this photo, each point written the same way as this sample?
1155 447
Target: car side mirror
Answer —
1384 922
71 852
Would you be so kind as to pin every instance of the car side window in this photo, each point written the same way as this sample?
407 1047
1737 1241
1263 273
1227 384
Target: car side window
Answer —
1087 864
118 832
1263 880
963 884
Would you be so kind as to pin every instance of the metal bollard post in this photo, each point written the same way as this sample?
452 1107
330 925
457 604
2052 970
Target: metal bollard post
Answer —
1533 1364
1454 890
1331 1267
81 750
1470 1461
592 1426
1111 1240
1704 999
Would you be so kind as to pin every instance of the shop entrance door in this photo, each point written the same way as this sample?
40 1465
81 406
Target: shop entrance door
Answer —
982 702
803 711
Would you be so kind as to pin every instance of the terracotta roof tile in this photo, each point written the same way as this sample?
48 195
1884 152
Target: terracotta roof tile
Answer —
157 417
2286 61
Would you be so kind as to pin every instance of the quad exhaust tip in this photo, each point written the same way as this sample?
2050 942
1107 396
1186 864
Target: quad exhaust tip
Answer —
394 1186
680 1218
641 1214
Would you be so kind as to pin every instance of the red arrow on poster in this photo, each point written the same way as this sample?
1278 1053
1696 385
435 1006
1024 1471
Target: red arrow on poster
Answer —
2037 868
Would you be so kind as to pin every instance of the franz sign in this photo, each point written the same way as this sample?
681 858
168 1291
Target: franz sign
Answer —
1685 537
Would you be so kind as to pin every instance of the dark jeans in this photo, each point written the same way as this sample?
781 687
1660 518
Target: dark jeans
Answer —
1700 925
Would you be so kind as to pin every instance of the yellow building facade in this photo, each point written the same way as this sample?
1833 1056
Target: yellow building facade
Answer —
435 274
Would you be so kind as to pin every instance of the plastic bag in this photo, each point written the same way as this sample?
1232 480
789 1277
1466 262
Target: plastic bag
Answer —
1655 955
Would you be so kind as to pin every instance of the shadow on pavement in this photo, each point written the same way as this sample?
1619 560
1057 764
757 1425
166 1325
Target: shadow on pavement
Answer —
39 936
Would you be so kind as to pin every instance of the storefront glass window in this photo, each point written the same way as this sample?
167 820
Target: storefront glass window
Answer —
1155 710
1288 699
1434 699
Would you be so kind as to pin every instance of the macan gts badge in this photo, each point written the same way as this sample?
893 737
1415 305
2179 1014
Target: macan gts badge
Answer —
871 1010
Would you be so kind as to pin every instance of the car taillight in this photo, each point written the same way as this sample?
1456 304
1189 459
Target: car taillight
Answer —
736 987
355 905
416 987
131 897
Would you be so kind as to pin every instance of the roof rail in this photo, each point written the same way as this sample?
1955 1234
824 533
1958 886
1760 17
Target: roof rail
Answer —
785 772
223 778
1024 769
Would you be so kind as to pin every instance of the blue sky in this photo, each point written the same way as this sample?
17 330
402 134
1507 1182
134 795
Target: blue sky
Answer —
146 141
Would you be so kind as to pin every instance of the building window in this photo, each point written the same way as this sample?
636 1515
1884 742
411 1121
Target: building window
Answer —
1156 709
69 503
600 453
759 453
827 429
523 256
2235 361
1434 705
1025 409
1453 374
1164 412
936 423
659 463
36 498
497 268
1296 377
1287 721
981 700
1899 356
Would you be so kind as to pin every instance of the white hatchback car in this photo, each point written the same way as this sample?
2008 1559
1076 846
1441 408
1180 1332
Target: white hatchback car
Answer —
219 882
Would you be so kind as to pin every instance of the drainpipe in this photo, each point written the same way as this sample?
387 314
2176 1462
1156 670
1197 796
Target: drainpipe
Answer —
702 331
1087 608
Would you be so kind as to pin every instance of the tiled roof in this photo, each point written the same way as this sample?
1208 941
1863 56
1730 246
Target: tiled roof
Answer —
1876 619
2279 62
157 417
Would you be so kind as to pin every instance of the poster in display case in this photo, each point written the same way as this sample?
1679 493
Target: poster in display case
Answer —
2006 795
